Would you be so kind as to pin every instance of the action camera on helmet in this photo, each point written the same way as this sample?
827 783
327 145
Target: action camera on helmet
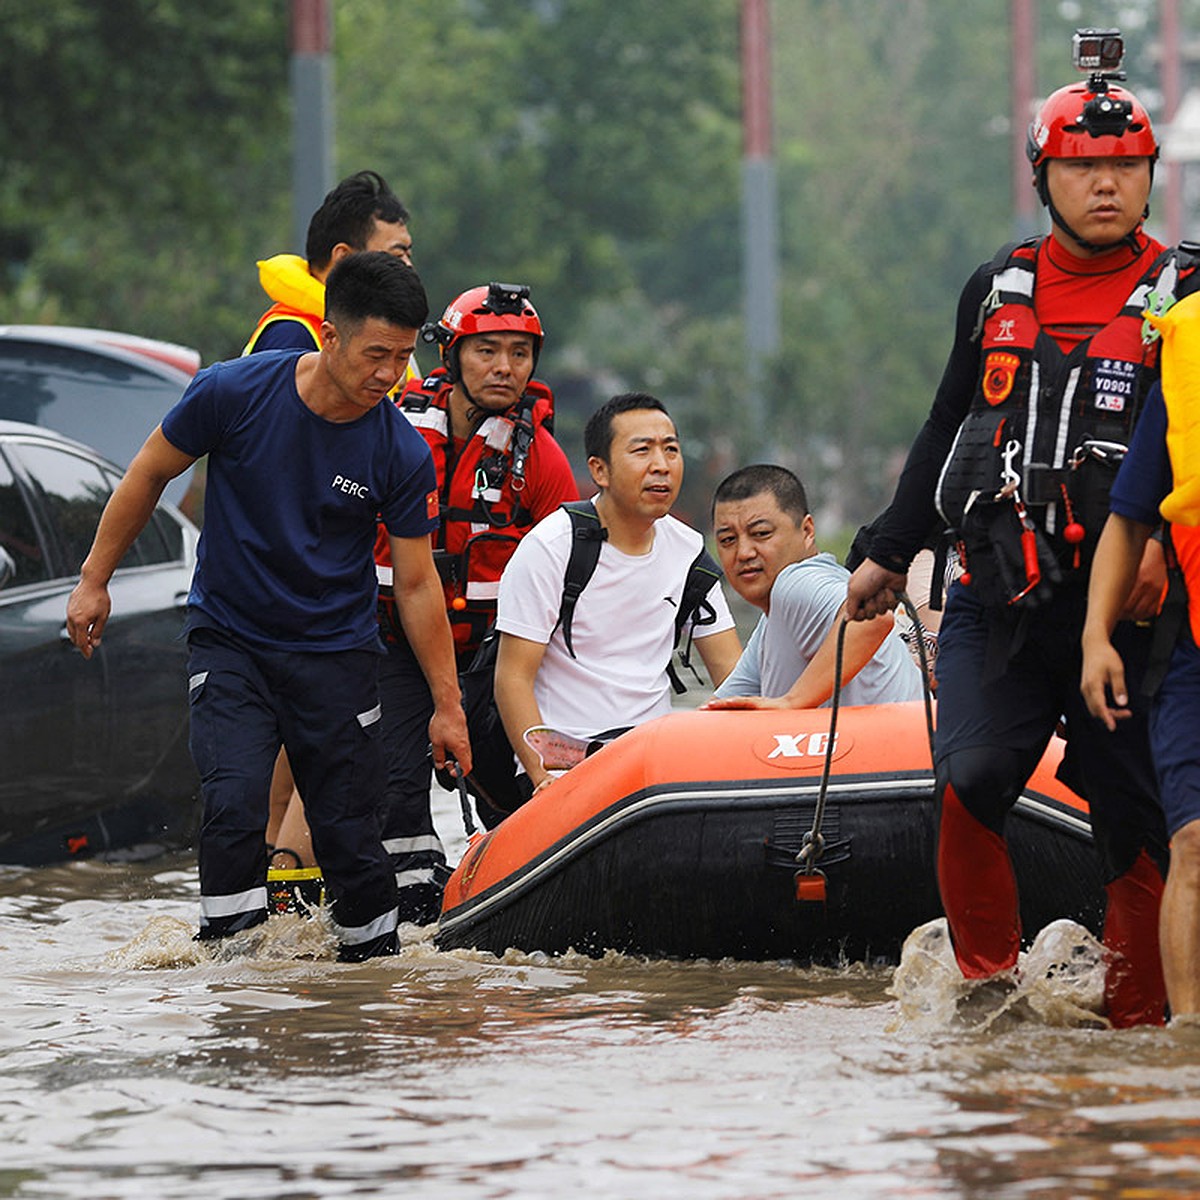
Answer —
1097 50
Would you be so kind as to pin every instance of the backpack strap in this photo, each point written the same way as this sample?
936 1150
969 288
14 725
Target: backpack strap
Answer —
587 536
999 261
694 611
417 395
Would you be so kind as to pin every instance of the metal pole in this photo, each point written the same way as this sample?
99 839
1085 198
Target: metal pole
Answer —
1024 199
1171 77
312 111
760 241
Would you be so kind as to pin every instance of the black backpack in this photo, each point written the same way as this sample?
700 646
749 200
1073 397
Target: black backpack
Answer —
493 779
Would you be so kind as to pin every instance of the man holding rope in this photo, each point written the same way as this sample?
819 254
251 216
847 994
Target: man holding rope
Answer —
1045 381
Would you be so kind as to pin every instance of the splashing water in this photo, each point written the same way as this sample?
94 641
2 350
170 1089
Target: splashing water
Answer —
168 942
1059 981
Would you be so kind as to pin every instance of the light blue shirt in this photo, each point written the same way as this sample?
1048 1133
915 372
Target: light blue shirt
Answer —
805 599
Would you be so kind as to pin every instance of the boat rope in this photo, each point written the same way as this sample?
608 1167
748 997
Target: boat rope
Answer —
814 844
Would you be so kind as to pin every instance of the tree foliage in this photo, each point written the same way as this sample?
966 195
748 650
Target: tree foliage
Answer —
590 150
143 141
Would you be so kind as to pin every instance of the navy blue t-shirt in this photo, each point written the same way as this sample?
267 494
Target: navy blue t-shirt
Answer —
1145 478
291 502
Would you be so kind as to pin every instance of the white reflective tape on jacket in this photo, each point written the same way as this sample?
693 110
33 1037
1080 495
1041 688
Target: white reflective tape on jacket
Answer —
477 590
413 845
427 418
496 432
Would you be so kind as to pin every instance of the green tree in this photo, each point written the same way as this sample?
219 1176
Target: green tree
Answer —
142 144
590 150
587 150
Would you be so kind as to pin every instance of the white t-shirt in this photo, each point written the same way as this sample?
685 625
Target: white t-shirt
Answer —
805 599
622 632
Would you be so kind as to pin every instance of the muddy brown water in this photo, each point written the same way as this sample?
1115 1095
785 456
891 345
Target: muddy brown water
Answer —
134 1065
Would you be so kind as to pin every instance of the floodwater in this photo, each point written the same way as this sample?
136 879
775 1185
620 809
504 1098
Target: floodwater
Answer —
135 1064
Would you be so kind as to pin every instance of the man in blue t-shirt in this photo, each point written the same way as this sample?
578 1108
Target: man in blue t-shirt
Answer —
303 457
1144 481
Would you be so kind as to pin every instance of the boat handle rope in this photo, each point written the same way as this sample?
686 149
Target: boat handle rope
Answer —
814 844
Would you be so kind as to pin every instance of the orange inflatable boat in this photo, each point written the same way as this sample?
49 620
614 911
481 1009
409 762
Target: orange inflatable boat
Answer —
680 839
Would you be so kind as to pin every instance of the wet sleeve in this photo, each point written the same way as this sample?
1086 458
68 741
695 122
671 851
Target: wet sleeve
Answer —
806 599
745 678
905 526
411 508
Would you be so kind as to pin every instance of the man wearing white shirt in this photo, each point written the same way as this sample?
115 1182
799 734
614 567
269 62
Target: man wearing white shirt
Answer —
623 628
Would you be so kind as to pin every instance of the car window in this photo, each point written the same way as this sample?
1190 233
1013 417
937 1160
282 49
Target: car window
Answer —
73 491
171 533
17 533
160 542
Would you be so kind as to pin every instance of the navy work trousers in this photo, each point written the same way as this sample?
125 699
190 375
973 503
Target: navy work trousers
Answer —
409 836
324 708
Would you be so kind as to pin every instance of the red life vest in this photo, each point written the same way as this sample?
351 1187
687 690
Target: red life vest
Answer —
1055 424
482 515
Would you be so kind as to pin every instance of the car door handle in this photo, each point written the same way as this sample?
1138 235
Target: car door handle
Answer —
181 599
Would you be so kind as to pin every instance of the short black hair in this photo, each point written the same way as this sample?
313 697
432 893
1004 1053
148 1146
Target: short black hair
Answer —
374 284
598 433
764 477
348 214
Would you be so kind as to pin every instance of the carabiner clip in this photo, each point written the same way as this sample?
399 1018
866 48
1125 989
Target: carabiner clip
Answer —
1010 476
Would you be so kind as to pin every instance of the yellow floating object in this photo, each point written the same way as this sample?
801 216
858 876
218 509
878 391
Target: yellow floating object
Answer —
1180 329
285 278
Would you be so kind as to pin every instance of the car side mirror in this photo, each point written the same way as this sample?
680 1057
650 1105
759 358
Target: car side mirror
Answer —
8 568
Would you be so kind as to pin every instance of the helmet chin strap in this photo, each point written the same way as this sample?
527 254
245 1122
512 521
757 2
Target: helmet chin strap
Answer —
1130 239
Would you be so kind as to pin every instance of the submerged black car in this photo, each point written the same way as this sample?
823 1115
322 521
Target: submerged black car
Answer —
93 754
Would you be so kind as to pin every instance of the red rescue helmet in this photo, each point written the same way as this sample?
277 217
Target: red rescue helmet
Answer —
1096 119
1092 119
496 308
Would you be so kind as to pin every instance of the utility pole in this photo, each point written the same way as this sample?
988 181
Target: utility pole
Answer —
760 239
1023 71
312 111
1170 69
